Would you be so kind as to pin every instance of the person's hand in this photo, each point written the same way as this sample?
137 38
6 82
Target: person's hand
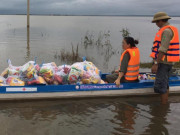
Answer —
117 82
116 71
154 68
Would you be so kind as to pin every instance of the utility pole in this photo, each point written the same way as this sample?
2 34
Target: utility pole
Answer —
28 13
28 33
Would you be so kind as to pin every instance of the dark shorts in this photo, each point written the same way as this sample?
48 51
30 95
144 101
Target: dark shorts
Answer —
161 83
112 78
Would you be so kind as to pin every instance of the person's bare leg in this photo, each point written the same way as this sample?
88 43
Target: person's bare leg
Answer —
164 97
167 94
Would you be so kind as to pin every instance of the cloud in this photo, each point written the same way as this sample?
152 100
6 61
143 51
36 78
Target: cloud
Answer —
91 7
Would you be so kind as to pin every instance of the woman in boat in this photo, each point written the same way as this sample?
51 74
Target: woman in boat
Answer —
129 63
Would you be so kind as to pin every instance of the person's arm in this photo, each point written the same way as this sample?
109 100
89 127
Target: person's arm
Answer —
123 68
117 82
167 35
124 63
155 62
160 56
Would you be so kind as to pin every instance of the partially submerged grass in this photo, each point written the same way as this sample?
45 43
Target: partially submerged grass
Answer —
125 32
145 64
177 65
101 44
69 57
149 65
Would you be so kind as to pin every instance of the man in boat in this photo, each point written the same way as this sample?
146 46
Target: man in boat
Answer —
129 63
165 52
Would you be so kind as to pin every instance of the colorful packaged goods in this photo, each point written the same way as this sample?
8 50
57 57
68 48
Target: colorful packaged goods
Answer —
88 73
28 70
31 73
37 80
28 66
58 79
93 72
2 79
13 81
63 72
48 80
146 77
65 68
74 75
47 70
13 70
5 73
2 84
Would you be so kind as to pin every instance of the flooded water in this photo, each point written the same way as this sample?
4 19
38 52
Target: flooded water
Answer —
117 116
99 39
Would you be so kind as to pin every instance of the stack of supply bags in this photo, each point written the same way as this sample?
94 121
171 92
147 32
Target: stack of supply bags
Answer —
49 72
84 73
22 75
32 73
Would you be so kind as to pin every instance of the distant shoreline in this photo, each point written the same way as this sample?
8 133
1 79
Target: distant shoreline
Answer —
88 15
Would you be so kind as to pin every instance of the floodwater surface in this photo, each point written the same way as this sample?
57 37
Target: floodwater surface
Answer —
99 39
117 116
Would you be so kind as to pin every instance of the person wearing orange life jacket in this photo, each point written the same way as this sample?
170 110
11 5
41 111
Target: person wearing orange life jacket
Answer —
129 63
165 52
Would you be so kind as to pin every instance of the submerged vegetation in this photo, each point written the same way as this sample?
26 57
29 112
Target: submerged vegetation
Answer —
91 44
101 46
125 32
177 65
69 57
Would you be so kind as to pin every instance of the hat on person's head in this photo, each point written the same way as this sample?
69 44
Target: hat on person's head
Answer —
160 16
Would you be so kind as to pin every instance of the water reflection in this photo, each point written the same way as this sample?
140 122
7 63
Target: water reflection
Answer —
141 116
63 117
124 118
158 122
91 116
49 109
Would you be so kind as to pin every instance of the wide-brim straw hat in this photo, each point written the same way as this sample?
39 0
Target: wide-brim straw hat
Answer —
160 16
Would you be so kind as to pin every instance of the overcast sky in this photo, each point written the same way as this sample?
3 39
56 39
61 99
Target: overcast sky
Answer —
91 7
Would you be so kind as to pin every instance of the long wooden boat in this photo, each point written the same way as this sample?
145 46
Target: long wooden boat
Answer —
143 87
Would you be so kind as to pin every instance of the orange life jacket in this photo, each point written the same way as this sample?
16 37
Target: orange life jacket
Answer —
173 51
133 64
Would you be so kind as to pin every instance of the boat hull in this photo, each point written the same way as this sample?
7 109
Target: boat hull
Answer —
81 91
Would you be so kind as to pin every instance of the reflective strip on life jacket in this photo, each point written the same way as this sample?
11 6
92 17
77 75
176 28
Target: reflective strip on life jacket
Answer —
133 65
131 76
133 71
